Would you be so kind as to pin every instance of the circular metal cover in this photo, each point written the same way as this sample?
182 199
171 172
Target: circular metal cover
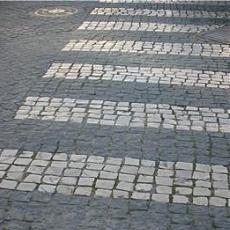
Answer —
56 11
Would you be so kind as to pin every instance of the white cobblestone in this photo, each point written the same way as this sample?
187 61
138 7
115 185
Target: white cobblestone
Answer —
140 196
170 76
83 191
145 26
160 198
217 201
160 13
178 114
161 1
103 192
187 49
47 188
200 201
120 194
180 199
8 184
176 182
65 189
26 186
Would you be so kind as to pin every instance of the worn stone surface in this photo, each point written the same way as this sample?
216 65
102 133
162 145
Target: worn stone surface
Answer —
23 63
28 210
221 35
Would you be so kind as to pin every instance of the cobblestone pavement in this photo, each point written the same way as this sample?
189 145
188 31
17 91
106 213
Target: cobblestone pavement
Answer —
116 117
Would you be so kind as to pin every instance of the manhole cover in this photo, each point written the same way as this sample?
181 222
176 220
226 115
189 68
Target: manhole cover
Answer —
221 35
56 11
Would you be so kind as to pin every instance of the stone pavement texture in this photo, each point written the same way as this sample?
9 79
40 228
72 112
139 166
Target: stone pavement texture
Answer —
116 117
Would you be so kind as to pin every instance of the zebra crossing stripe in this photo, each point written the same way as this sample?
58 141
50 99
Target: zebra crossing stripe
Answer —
145 26
185 49
129 178
218 2
170 76
129 114
160 13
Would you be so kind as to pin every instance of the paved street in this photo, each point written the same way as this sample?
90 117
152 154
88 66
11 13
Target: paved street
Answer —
114 114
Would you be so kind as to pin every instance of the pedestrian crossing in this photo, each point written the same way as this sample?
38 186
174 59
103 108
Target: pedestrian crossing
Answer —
160 13
218 2
101 113
125 114
140 47
148 75
127 178
145 26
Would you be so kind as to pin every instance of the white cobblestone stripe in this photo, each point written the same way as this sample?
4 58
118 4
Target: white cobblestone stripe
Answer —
161 13
145 26
125 114
170 76
215 2
188 49
130 178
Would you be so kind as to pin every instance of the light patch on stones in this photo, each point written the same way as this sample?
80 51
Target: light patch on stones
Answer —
128 114
129 178
161 13
56 11
219 2
150 48
150 75
145 26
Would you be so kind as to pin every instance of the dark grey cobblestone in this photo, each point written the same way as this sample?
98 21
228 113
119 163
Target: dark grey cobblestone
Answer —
28 46
133 92
138 143
63 212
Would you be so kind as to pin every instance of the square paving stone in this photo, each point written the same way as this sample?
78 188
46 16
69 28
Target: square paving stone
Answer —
68 180
36 169
112 168
160 198
126 177
180 199
17 176
103 192
106 184
126 186
164 189
9 152
22 161
90 173
120 194
51 179
84 181
72 172
8 184
143 187
33 178
44 156
129 169
113 161
140 196
83 191
26 186
108 175
95 159
55 171
65 189
217 201
200 201
47 188
145 179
